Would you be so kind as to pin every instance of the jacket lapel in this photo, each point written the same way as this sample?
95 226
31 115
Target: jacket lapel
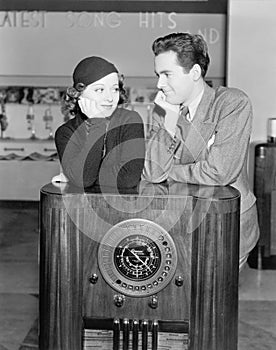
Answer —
200 130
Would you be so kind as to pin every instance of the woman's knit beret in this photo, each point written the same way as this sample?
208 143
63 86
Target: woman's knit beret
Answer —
91 69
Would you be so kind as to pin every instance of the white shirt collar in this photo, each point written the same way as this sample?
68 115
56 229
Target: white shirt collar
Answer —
193 106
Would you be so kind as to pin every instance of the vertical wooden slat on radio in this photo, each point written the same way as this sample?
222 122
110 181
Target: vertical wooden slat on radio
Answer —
60 280
214 290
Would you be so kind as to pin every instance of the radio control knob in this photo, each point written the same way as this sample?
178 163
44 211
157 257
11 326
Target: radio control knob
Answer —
153 302
93 279
119 300
179 281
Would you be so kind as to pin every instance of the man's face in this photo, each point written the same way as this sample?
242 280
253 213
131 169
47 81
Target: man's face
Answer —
177 85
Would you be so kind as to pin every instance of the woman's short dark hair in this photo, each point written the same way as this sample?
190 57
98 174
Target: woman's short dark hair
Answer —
190 49
69 105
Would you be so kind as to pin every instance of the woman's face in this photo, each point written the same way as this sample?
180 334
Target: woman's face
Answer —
105 93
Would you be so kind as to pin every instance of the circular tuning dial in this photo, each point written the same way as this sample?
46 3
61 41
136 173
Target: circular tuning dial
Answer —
137 257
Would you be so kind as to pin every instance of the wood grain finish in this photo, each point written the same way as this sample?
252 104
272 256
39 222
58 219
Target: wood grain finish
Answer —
60 289
204 224
214 294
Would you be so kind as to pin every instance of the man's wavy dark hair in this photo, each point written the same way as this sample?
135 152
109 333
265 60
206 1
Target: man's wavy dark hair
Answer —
190 49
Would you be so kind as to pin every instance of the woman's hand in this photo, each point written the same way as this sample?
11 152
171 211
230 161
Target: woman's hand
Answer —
89 108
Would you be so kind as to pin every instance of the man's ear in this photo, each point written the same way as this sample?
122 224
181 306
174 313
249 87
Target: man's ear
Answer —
196 72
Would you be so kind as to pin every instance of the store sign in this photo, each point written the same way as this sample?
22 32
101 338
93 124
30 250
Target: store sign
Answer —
23 19
50 43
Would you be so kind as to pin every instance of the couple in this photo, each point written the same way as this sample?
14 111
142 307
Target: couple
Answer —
199 135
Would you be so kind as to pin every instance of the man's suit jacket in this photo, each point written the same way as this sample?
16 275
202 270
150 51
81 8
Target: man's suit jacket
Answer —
211 150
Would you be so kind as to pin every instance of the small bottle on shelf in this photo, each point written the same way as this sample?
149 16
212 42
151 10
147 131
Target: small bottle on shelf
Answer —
48 119
30 120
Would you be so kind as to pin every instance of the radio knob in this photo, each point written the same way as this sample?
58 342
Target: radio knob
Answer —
93 279
179 281
119 300
153 302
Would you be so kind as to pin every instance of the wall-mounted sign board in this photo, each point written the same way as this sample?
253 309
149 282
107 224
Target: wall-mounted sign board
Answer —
42 43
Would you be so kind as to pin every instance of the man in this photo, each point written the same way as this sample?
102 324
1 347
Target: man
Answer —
200 135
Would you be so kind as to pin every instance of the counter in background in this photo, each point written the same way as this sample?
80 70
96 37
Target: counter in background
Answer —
25 166
22 180
24 147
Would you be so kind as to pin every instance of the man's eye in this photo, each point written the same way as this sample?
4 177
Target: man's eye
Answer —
99 90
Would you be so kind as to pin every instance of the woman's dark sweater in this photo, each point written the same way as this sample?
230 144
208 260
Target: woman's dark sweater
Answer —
102 151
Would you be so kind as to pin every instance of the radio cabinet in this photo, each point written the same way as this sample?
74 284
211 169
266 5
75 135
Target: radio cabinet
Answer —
151 270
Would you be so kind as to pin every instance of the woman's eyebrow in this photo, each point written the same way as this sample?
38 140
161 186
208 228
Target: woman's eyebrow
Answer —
103 85
97 84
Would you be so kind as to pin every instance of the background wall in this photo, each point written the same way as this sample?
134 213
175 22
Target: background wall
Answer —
252 57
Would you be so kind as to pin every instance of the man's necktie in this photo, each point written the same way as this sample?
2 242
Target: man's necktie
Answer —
184 112
183 127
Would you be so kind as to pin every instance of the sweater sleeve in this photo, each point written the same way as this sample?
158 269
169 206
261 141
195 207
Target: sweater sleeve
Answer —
80 153
123 165
160 151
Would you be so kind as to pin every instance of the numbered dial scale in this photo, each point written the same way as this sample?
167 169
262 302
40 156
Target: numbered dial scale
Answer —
137 257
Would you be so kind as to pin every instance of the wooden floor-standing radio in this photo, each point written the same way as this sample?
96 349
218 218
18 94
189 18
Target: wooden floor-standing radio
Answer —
153 270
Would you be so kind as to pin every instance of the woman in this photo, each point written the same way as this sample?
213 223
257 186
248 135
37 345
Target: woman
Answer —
103 144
